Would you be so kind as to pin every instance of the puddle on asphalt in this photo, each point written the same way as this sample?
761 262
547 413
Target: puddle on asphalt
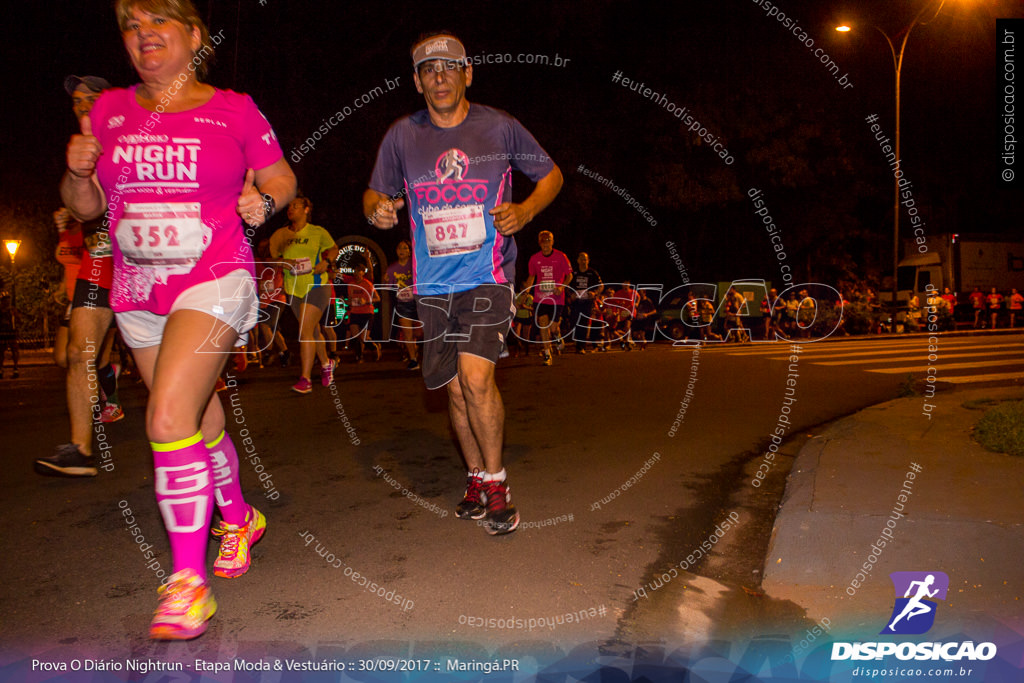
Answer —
705 586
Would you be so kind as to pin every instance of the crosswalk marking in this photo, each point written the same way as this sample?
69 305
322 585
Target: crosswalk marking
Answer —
835 349
905 356
1013 348
943 366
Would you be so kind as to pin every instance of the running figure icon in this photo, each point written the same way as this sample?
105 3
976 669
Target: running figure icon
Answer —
917 601
915 607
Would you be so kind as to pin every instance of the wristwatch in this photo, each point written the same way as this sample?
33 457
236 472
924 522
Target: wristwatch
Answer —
269 206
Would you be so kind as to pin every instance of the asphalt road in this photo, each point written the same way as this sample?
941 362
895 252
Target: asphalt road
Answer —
623 465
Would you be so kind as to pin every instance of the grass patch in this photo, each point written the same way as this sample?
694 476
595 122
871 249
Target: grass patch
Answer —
1001 429
982 403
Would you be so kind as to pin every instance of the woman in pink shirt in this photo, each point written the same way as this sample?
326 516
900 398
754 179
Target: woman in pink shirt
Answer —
176 165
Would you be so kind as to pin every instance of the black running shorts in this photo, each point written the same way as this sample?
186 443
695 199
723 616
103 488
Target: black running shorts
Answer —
475 321
90 295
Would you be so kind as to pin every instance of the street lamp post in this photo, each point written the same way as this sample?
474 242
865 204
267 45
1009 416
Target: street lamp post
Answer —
897 63
12 249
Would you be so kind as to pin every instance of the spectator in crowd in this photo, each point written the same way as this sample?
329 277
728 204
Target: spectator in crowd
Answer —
69 256
950 299
620 307
733 305
1016 303
523 322
334 315
644 319
399 277
995 305
933 307
8 335
874 307
587 284
691 315
807 313
361 298
550 272
790 315
842 304
913 318
707 319
272 300
603 318
90 319
978 304
767 305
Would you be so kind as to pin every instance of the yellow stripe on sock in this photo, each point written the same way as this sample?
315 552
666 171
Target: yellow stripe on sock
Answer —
212 444
176 445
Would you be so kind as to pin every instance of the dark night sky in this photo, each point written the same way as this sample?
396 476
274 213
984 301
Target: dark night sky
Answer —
794 132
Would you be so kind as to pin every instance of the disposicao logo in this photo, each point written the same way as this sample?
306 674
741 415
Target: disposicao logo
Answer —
914 612
917 596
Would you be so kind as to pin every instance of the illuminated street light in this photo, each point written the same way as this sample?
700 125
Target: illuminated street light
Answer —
12 249
897 62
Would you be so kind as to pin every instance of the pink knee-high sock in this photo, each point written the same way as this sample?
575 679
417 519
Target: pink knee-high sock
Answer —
184 493
226 484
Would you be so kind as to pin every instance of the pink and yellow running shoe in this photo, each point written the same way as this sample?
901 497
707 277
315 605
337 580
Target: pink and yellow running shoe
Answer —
233 558
186 604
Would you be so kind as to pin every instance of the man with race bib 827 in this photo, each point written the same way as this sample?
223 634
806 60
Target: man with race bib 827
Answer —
452 163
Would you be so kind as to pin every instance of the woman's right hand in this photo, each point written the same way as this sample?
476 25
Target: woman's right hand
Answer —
83 151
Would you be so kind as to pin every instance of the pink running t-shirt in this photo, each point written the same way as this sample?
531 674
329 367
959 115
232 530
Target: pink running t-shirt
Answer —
172 182
549 273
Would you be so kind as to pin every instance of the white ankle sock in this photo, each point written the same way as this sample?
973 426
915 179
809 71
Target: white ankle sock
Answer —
500 476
